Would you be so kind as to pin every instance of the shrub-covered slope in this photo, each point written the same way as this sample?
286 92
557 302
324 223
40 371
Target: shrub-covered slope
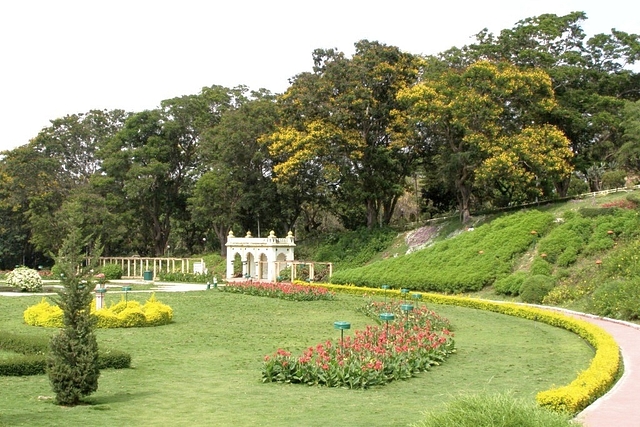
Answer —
467 262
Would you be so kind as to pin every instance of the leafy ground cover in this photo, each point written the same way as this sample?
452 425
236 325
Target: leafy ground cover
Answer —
204 368
583 255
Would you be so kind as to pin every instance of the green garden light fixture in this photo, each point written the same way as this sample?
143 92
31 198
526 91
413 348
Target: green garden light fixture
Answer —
342 325
385 287
126 290
404 292
386 317
406 308
417 297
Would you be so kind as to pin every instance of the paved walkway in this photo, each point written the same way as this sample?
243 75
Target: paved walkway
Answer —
620 407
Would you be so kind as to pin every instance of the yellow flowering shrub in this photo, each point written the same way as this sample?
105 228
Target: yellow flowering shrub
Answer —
43 314
586 388
124 314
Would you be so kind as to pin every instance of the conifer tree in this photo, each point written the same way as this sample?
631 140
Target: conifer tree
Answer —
72 364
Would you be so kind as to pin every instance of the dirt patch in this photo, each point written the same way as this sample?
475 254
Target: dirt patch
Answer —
421 237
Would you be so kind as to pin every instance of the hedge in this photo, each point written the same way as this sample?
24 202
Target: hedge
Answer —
574 397
31 356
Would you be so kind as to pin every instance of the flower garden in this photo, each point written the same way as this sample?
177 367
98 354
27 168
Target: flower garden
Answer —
379 354
383 350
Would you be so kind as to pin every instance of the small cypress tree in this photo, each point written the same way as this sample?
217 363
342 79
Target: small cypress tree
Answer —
72 364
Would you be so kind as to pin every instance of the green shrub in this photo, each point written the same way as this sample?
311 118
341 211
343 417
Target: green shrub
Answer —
617 299
111 271
613 179
499 410
594 212
467 262
577 186
634 198
567 257
535 288
540 267
31 351
185 277
510 285
56 271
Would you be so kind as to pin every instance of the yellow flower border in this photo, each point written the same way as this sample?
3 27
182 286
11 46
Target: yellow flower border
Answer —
590 384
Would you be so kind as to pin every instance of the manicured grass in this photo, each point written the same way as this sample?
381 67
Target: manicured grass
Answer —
204 369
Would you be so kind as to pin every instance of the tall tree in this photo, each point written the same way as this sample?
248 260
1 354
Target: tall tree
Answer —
72 364
337 118
153 162
466 117
591 77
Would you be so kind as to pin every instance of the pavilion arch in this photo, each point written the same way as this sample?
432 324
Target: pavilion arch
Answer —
262 258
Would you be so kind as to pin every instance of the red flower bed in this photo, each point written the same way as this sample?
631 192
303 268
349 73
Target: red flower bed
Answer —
286 291
375 356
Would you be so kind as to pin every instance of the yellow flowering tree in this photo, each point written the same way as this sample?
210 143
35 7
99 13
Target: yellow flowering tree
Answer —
484 121
334 140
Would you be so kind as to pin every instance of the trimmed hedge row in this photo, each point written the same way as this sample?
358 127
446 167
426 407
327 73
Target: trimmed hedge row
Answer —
574 397
32 351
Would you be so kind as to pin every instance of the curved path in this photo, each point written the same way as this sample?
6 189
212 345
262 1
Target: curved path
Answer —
620 407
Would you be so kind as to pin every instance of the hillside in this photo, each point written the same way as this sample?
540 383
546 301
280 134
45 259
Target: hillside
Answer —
580 254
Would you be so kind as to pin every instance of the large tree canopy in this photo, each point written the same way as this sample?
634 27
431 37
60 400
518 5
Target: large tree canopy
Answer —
485 120
590 77
337 119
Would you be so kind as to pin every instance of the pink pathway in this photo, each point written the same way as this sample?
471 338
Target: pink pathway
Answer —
620 407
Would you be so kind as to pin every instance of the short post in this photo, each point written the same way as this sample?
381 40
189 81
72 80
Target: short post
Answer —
100 291
406 308
385 287
126 290
215 282
342 325
416 298
404 292
386 317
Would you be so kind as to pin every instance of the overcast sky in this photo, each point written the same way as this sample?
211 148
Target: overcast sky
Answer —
60 57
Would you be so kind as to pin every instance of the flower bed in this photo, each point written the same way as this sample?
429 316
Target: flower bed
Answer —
374 356
574 397
124 314
287 291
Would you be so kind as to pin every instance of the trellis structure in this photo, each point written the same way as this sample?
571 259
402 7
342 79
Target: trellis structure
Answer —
135 267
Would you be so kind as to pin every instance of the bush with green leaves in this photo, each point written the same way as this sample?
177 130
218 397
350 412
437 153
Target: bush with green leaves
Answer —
25 278
618 299
510 285
500 410
353 248
634 198
613 179
111 271
540 266
467 262
30 356
535 288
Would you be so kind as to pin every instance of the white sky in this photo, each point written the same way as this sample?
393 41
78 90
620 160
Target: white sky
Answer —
60 57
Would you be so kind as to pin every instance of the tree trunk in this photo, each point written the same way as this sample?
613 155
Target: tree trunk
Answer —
372 213
221 232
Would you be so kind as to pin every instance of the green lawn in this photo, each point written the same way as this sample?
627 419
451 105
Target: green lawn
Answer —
204 369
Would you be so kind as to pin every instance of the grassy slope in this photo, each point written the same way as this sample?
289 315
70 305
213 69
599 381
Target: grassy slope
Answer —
421 264
204 369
